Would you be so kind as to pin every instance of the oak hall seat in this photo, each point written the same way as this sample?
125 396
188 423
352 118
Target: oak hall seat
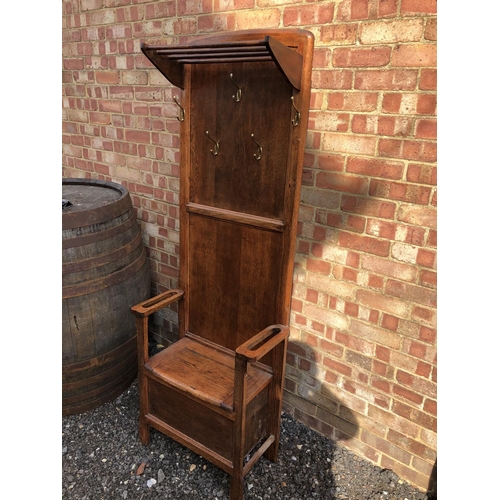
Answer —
243 112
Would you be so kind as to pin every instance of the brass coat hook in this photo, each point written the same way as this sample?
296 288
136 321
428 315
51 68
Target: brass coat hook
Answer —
237 97
257 155
180 116
215 151
296 118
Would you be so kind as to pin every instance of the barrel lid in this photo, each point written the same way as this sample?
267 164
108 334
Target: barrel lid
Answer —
92 201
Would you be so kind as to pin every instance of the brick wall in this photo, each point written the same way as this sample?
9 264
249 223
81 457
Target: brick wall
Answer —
362 361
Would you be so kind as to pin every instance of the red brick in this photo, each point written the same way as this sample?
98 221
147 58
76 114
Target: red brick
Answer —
381 384
381 302
189 7
357 359
428 79
312 296
349 143
336 366
414 415
426 104
375 167
357 344
424 314
420 150
409 444
321 59
417 349
383 353
391 102
392 125
407 394
364 243
111 106
353 101
400 191
422 173
418 7
432 239
359 9
332 79
412 293
382 229
138 136
331 162
431 29
360 124
74 63
312 14
430 406
426 129
352 259
418 215
428 278
319 233
364 206
390 322
386 79
375 282
375 334
350 274
426 258
411 55
334 122
423 369
387 8
318 266
361 57
339 33
428 334
332 349
341 182
317 250
121 92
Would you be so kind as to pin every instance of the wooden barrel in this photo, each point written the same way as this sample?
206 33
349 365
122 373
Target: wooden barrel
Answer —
105 272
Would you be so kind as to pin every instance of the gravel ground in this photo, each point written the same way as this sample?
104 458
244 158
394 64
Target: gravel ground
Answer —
102 459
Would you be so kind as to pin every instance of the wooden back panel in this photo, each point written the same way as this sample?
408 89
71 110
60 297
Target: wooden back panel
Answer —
239 214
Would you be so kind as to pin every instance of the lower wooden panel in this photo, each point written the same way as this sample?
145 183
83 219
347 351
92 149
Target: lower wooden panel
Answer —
209 428
234 280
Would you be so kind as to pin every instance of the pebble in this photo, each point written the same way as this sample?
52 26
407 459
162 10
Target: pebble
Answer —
161 476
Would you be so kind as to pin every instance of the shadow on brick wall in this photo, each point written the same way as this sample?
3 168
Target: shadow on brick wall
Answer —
309 398
432 488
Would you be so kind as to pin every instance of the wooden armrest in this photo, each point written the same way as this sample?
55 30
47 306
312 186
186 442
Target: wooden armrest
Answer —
260 344
156 303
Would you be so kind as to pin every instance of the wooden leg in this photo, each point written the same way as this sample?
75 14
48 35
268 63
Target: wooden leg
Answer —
144 429
237 482
240 388
142 354
275 398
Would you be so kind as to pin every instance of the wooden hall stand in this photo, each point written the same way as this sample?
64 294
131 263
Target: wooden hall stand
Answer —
218 389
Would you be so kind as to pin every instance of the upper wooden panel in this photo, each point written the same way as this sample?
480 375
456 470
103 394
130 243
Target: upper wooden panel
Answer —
235 179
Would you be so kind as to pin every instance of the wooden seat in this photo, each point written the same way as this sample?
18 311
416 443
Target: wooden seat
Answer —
205 371
218 389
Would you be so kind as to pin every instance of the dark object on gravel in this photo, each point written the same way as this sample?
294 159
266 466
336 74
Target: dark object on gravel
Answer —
102 459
